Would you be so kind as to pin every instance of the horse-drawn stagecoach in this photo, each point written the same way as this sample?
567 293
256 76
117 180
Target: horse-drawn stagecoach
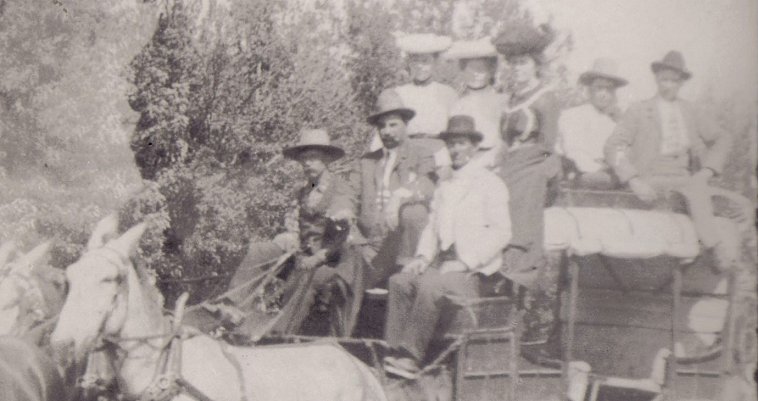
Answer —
629 309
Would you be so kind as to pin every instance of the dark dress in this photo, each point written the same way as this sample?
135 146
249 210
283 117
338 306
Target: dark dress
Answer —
527 164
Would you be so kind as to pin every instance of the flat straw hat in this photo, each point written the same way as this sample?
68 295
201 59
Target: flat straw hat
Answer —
471 49
313 139
389 102
673 60
603 68
461 125
423 43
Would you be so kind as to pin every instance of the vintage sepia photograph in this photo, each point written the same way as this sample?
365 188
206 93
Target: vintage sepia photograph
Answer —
378 200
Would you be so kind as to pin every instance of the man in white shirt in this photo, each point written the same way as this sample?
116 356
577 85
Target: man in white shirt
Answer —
584 129
430 100
459 253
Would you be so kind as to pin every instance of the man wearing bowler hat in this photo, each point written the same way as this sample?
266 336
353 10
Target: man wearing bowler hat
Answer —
430 99
584 129
459 254
394 187
326 264
666 144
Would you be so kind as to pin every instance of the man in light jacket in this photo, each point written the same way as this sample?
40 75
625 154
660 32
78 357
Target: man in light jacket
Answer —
666 144
459 253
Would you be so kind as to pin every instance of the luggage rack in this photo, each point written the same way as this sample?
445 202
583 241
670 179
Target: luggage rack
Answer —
576 197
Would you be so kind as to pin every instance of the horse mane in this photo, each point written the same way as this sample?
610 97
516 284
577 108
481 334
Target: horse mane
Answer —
27 373
147 281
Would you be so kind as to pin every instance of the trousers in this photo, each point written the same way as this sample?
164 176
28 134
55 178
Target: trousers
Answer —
698 198
346 281
416 302
392 249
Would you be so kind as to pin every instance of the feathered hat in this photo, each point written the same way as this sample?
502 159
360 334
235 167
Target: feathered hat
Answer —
522 38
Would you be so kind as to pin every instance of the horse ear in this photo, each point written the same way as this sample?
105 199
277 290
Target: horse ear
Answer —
26 263
33 257
127 243
7 251
105 230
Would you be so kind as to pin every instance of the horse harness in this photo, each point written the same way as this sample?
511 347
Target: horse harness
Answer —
168 381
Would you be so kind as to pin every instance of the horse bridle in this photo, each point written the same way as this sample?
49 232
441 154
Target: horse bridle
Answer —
168 381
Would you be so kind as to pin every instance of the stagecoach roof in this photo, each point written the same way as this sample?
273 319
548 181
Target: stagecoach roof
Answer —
622 233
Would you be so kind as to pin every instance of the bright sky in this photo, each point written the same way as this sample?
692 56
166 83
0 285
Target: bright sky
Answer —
719 40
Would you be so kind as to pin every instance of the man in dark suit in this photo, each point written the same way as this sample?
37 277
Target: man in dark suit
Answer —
394 188
666 144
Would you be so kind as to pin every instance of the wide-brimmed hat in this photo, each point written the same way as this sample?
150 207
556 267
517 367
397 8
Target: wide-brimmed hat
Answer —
673 60
389 102
603 68
471 49
313 139
522 38
423 43
461 125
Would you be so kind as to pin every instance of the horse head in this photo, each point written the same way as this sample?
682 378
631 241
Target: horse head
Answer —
24 287
106 298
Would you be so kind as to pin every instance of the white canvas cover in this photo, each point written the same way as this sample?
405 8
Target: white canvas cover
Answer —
623 233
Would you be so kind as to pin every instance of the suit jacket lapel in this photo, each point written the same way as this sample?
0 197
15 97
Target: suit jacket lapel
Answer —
689 122
401 165
655 116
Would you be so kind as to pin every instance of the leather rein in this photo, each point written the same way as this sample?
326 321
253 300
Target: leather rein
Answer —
167 380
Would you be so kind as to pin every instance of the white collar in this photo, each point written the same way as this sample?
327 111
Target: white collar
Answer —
469 170
530 86
665 103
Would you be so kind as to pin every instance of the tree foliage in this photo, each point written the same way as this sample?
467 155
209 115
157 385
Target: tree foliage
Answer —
193 101
63 116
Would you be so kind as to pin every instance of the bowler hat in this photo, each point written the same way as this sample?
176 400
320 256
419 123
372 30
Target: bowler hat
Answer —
423 43
673 60
389 102
603 68
313 139
461 125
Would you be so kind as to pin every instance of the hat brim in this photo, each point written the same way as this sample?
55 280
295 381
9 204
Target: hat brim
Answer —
293 152
657 66
475 135
405 113
587 77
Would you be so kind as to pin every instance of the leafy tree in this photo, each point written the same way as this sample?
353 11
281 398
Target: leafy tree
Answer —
63 114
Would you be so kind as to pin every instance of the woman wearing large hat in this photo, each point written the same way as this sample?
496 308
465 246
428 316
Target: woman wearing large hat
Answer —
325 265
477 60
528 126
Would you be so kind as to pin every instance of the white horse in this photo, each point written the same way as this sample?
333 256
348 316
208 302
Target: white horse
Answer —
30 291
110 301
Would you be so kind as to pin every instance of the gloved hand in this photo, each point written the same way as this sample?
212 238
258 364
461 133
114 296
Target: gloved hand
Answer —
416 266
288 241
313 261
